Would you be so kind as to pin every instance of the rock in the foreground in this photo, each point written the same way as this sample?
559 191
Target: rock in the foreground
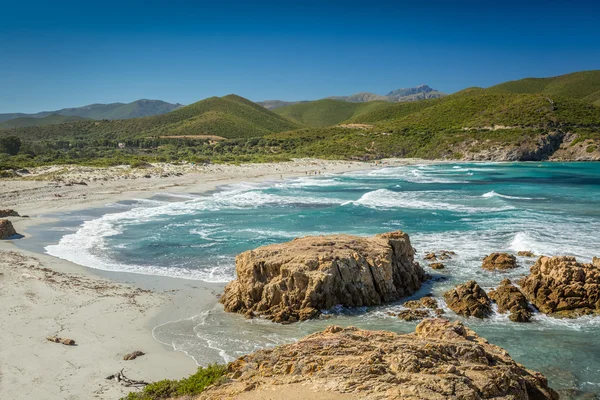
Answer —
561 286
510 299
292 281
6 229
499 261
469 300
441 360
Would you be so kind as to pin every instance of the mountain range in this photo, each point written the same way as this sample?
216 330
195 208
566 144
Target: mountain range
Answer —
421 92
135 109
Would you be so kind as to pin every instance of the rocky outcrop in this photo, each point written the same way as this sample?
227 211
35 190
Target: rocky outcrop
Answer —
441 255
437 265
469 300
417 310
499 261
510 299
561 286
6 229
292 281
441 360
529 254
8 213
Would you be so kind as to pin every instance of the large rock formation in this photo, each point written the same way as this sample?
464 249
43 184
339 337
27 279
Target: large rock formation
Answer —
441 360
499 261
292 281
6 229
469 300
510 299
564 287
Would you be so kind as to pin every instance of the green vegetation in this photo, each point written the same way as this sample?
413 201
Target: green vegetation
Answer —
51 119
583 86
10 145
233 129
191 386
327 112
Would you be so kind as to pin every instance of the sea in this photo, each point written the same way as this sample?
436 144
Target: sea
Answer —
472 209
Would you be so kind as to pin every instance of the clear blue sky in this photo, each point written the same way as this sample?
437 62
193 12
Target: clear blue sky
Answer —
65 54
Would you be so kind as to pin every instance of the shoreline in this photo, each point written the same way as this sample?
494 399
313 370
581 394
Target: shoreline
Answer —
73 187
105 326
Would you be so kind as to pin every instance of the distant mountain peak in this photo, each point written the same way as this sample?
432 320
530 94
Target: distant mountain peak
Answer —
421 92
135 109
403 92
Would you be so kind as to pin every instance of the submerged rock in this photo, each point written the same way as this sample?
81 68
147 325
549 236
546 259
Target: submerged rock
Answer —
441 255
6 229
561 286
441 360
526 254
510 299
291 281
499 261
416 310
414 315
469 300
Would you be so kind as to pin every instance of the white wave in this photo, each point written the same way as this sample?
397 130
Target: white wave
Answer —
524 242
255 199
309 182
187 196
493 193
384 198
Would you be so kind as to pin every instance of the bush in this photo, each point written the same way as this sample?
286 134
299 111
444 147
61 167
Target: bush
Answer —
191 386
591 148
10 145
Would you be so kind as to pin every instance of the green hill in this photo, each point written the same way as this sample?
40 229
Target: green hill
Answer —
51 119
327 112
584 85
229 117
466 124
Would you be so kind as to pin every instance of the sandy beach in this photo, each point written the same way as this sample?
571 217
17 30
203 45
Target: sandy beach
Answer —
44 296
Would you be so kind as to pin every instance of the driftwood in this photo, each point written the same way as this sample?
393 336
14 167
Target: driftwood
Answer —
133 356
120 377
56 339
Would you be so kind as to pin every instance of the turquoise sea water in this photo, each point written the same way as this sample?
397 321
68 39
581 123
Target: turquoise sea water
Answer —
472 209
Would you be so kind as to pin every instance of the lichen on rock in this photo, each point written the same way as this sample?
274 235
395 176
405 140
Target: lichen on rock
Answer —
292 281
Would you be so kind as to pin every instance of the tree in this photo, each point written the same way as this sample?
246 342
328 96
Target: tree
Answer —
10 145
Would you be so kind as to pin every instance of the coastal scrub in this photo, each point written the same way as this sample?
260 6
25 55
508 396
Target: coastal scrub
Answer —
190 386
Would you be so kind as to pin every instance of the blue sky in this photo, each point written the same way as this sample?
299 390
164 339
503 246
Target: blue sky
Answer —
66 54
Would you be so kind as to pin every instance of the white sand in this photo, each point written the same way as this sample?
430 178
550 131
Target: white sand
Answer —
42 296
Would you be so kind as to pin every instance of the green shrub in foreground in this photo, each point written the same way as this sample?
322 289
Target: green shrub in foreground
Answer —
191 386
